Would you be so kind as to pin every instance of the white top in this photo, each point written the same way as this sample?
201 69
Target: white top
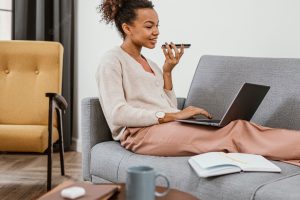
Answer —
130 96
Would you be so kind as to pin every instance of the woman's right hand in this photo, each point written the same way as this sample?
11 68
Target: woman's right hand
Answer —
185 114
192 111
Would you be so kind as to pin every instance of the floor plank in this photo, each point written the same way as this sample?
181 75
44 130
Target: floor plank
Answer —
24 176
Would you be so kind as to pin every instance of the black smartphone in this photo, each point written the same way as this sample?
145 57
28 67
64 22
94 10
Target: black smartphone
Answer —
179 45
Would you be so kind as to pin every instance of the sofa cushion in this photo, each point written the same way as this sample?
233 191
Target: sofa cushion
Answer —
110 161
218 78
282 188
106 158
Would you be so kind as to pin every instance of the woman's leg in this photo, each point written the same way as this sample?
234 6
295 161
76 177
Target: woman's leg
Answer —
178 139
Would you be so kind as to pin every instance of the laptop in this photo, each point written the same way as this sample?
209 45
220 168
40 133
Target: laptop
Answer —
243 106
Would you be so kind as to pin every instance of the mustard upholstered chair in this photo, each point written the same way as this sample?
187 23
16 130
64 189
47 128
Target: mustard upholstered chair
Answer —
31 71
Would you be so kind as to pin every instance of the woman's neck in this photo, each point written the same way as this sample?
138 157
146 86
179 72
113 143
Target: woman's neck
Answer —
132 50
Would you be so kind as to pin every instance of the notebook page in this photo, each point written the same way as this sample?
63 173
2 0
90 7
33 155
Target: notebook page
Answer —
252 162
212 159
213 171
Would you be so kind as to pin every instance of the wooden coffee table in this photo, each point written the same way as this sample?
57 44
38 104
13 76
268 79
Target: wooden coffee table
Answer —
173 193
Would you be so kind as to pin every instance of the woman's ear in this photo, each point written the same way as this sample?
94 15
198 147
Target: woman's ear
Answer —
126 29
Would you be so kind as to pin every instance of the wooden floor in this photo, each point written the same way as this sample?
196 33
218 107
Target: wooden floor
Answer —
25 176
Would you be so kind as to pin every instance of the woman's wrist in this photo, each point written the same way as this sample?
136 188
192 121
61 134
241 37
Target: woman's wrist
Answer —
167 73
169 117
167 76
167 69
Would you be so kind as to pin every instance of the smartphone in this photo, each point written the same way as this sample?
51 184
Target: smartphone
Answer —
179 45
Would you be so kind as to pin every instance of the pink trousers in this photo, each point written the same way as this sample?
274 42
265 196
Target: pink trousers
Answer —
179 139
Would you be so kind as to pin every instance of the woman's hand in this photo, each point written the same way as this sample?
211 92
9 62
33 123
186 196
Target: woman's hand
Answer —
185 114
171 59
192 111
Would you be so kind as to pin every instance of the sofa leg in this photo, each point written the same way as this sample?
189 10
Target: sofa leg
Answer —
61 142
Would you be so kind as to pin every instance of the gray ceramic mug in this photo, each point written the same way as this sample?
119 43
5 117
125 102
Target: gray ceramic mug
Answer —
140 183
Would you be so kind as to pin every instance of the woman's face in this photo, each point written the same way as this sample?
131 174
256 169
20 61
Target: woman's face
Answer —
144 31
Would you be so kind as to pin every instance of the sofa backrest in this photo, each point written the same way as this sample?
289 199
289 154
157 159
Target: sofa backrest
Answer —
218 78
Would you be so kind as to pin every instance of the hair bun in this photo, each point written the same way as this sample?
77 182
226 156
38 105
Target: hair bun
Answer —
121 11
109 9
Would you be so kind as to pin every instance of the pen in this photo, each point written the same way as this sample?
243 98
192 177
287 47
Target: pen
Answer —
234 159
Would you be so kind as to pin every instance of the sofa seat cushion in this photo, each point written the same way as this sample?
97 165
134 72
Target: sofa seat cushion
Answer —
106 158
283 188
25 138
109 161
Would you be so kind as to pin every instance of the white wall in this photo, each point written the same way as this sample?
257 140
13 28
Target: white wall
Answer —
6 4
263 28
5 19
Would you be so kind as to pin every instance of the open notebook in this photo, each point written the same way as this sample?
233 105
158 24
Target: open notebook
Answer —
219 163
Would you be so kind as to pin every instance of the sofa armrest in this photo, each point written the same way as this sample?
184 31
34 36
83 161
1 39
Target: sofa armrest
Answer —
94 130
180 102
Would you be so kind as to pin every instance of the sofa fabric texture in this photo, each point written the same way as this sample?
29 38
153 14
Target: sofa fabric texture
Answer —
216 81
182 176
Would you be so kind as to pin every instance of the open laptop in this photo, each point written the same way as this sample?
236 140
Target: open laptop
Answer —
243 106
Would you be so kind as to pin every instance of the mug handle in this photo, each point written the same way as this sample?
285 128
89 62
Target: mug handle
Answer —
160 194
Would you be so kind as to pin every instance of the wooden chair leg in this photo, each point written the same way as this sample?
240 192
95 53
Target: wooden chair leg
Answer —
50 145
49 168
61 142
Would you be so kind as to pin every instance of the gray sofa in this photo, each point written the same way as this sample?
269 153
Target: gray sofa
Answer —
216 80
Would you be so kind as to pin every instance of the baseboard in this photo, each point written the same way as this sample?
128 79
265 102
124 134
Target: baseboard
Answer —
76 145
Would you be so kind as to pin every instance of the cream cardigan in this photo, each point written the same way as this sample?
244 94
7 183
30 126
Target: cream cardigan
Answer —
130 96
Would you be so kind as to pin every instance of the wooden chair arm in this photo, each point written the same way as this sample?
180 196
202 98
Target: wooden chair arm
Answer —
59 101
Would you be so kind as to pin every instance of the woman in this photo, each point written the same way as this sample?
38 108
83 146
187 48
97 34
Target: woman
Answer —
140 105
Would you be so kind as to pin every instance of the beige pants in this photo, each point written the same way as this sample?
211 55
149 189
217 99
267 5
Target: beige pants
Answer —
178 139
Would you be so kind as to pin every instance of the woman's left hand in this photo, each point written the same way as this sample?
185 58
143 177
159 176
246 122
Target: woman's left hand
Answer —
171 59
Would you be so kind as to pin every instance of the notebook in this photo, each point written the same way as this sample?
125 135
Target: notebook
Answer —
219 163
243 106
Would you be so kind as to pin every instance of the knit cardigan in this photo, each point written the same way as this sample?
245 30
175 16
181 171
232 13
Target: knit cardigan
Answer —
130 96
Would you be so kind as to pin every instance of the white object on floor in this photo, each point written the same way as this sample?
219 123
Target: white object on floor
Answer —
73 192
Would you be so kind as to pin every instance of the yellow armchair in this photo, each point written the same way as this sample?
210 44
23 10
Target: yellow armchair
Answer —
31 71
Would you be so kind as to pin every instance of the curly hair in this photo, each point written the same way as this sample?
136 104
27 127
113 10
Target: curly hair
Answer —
121 11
